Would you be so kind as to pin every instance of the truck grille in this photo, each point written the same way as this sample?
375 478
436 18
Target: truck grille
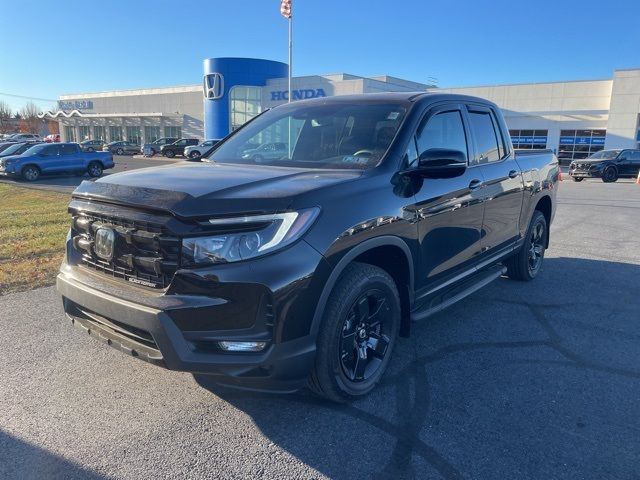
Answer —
143 253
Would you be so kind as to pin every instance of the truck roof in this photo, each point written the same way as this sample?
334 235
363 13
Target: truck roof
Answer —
408 97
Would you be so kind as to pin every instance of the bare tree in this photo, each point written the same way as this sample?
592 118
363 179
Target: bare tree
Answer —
5 115
29 115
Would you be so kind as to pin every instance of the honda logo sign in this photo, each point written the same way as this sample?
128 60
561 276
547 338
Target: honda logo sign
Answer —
213 86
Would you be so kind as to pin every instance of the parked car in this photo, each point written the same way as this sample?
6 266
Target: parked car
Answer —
92 145
177 148
267 151
16 148
303 270
55 158
52 138
5 145
609 165
194 152
150 149
122 148
23 137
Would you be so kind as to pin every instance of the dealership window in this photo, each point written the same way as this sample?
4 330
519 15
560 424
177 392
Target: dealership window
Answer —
174 132
245 103
84 132
151 134
99 133
529 139
69 133
133 134
577 144
115 133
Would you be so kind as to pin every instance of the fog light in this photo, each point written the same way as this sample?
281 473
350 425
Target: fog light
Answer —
242 346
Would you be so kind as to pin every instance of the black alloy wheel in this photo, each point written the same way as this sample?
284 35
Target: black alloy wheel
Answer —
194 155
94 169
527 262
537 243
120 151
169 153
356 337
365 337
610 175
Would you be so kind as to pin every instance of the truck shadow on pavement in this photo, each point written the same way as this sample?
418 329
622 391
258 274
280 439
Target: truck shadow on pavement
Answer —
21 460
529 380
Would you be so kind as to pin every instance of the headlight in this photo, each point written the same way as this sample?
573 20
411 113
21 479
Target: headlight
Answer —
248 237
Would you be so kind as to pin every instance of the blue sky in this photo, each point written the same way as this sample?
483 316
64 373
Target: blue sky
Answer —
50 48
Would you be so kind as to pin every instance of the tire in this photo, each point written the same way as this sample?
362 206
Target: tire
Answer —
577 179
169 153
30 173
610 175
152 151
194 155
95 169
119 151
338 373
527 262
90 150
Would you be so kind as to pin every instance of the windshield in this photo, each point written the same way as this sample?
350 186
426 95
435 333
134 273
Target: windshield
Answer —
38 148
339 135
13 148
605 155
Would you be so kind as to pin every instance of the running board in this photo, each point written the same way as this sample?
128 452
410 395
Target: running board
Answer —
457 292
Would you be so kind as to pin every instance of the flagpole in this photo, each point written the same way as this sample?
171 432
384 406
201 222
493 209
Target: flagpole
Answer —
290 53
290 72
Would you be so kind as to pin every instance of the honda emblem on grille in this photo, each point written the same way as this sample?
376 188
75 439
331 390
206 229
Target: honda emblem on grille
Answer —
104 242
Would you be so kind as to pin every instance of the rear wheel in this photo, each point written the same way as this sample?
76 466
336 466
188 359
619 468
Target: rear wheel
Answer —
30 173
169 153
610 175
120 151
357 334
577 179
527 262
95 169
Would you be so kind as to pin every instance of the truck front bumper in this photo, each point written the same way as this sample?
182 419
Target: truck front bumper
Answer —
180 331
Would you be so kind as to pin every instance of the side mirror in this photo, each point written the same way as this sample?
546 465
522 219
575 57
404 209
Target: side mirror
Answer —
441 163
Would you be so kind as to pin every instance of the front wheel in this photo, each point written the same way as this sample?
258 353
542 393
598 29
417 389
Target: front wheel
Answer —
169 154
95 169
357 334
120 151
31 173
577 179
194 155
527 262
90 150
610 175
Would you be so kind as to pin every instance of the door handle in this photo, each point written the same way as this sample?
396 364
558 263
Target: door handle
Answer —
475 184
513 174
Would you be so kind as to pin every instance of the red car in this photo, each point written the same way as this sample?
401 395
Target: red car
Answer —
52 138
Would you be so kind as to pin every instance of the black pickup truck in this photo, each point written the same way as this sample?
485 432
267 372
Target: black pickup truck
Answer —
304 269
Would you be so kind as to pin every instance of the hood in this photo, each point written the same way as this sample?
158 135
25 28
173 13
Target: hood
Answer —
205 189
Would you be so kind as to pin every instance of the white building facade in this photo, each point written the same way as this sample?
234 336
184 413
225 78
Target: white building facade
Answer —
574 118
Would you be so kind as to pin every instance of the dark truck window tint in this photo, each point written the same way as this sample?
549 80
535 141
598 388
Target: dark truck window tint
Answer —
51 150
67 149
486 137
443 130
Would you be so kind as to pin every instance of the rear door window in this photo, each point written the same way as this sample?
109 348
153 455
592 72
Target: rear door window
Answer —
486 136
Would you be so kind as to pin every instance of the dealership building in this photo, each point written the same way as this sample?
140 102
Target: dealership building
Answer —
574 118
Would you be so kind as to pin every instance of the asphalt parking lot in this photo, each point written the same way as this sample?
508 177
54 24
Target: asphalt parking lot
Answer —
538 380
67 183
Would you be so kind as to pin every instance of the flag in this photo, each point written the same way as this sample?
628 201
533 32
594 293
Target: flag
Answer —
285 8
